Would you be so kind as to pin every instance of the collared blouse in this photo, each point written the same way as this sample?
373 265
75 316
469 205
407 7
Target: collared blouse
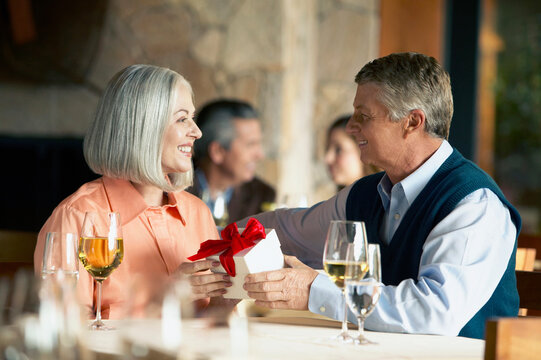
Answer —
157 239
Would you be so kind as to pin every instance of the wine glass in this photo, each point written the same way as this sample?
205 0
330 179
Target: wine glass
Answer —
101 251
60 257
363 284
341 233
294 200
220 214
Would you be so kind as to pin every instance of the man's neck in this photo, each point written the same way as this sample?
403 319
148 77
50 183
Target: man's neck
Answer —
217 181
414 156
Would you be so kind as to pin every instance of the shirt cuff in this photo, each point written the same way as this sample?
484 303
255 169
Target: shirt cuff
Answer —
326 298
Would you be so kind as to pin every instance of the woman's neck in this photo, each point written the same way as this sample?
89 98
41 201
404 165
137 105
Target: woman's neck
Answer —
152 195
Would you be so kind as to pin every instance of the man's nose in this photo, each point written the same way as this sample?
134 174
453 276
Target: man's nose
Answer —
351 126
258 153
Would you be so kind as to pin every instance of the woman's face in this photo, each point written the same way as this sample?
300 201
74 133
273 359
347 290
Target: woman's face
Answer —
343 158
180 134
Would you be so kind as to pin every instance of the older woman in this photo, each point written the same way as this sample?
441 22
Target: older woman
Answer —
141 143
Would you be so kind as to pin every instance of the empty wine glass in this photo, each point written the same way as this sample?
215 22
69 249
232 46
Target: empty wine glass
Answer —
220 214
101 251
60 259
363 284
342 233
293 200
160 303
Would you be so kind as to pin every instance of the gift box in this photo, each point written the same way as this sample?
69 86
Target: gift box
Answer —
244 251
265 255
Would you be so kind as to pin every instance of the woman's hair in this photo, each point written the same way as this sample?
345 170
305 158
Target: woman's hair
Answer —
126 137
341 123
409 81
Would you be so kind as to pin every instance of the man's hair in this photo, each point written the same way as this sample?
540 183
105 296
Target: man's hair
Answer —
409 81
125 140
215 119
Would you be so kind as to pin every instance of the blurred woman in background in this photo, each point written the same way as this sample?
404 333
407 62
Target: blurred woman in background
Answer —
343 156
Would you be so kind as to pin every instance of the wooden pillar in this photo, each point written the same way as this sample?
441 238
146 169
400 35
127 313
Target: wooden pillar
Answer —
23 29
412 26
490 44
298 91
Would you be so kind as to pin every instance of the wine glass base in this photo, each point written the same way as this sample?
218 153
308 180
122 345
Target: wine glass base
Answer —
363 341
100 325
343 338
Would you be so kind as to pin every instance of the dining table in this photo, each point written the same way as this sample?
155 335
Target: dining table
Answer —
279 335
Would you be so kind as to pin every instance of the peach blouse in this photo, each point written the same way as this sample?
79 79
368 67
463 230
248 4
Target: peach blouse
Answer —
156 239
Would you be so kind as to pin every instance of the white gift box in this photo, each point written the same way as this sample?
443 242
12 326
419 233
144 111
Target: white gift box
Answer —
265 255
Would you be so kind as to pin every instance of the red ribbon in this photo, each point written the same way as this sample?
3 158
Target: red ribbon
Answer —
232 242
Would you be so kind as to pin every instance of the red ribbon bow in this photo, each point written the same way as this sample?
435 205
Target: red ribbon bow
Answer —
232 242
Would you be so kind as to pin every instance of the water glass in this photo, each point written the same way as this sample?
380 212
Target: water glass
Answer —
363 285
60 259
341 235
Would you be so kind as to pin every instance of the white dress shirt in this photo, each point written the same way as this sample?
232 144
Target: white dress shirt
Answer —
463 259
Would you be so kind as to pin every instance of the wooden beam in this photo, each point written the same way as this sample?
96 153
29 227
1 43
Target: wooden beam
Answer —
23 29
412 26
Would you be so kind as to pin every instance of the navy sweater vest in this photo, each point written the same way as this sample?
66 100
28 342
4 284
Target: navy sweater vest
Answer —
454 180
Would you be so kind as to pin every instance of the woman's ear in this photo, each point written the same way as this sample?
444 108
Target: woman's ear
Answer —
216 152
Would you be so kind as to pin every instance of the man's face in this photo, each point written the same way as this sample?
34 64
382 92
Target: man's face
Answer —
245 152
379 139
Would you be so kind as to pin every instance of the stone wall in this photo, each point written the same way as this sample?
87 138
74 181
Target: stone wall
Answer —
293 59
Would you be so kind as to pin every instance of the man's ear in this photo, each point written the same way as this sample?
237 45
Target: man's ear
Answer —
416 121
216 152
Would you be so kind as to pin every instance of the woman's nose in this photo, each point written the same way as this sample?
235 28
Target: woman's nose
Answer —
329 157
196 132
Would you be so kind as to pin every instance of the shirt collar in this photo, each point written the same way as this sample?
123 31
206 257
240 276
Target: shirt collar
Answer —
416 181
205 191
202 179
125 199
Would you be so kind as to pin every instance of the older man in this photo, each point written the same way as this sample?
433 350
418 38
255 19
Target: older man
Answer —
446 231
226 159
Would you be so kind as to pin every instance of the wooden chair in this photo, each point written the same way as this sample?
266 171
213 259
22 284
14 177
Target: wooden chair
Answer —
16 251
529 291
513 338
525 260
529 241
528 258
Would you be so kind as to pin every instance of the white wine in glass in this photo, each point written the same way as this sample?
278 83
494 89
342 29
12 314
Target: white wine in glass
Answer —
342 233
101 250
363 285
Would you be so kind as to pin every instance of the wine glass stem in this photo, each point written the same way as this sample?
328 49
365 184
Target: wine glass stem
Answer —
345 319
98 305
360 321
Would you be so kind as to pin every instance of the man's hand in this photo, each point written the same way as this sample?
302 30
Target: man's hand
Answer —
204 283
287 288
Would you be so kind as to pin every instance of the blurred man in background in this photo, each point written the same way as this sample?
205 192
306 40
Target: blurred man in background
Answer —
226 158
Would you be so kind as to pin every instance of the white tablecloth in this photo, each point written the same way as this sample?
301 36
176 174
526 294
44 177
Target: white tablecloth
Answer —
259 339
